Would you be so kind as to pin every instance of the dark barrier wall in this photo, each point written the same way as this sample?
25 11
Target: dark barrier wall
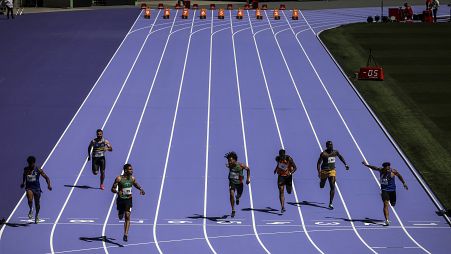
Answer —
66 3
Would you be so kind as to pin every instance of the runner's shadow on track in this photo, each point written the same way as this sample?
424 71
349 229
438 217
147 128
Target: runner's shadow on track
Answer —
15 225
86 187
268 209
101 239
308 203
198 216
366 220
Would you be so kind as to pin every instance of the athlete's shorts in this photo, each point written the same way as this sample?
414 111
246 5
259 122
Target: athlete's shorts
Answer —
36 193
124 204
389 196
98 163
238 188
328 173
287 181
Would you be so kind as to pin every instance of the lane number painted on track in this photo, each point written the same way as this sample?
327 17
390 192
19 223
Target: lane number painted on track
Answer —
327 223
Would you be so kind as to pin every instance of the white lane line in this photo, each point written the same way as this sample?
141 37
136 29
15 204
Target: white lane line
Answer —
170 139
244 134
351 135
86 160
70 123
207 141
200 238
277 123
319 145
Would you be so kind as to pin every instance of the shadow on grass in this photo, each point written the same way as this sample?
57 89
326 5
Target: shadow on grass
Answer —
101 239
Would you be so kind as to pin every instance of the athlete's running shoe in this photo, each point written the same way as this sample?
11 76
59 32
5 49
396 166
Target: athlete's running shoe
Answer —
36 219
233 214
387 223
125 238
237 201
30 214
282 210
331 207
102 187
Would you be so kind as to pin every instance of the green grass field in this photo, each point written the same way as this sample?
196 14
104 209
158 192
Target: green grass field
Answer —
414 100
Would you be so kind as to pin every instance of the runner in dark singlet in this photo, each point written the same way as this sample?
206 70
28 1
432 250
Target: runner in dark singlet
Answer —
327 171
123 187
388 185
236 178
285 168
30 181
97 147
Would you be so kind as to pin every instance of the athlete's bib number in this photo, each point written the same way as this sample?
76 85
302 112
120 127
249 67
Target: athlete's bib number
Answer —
283 166
31 178
127 191
384 181
331 160
234 175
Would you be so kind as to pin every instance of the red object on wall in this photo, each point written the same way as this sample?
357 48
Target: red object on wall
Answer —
371 73
427 16
394 12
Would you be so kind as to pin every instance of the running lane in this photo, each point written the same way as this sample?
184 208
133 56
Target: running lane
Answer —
62 166
226 234
120 128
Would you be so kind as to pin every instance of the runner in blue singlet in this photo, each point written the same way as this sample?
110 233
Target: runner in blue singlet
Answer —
30 181
388 185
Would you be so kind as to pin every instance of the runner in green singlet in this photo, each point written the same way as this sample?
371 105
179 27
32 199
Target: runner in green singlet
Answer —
123 187
236 178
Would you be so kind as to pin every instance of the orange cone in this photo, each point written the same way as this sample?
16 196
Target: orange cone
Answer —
185 13
166 13
258 14
203 13
239 15
147 13
221 14
276 14
295 15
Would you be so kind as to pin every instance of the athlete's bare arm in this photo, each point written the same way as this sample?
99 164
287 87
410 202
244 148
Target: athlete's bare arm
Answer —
90 150
24 177
342 160
371 167
109 147
47 179
137 186
318 164
115 184
248 179
401 179
293 165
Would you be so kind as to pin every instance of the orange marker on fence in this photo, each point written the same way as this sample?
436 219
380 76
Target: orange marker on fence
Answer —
166 13
203 13
185 13
295 15
276 14
147 13
239 15
258 14
221 14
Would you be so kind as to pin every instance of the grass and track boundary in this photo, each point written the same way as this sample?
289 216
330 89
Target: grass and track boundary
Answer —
412 102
